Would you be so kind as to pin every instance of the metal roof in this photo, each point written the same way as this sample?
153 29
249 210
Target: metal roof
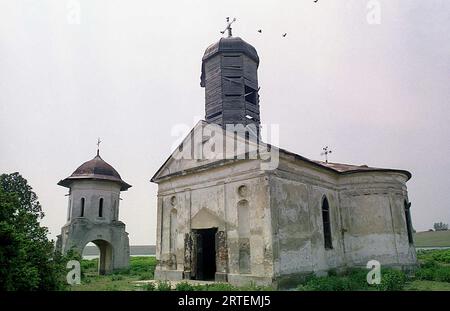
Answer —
95 169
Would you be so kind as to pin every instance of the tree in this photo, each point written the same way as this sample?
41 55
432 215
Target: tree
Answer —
28 260
440 226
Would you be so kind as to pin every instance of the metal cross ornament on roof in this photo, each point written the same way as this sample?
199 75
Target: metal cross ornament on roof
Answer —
325 153
228 27
98 145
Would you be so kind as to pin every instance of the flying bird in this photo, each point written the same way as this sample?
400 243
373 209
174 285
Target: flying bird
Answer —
284 35
260 30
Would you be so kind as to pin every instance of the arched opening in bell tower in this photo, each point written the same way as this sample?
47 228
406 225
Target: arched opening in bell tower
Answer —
102 251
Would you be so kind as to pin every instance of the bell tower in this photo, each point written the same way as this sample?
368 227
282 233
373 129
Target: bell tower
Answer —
93 214
230 78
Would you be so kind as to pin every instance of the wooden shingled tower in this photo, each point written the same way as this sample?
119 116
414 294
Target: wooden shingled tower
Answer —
229 76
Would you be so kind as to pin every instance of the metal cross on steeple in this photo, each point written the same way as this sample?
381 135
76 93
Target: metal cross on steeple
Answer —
228 27
98 146
325 153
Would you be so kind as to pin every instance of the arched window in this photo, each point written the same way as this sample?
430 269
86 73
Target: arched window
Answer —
408 222
100 208
82 207
328 243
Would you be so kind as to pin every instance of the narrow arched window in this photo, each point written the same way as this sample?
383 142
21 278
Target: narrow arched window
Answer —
100 208
408 222
82 207
328 243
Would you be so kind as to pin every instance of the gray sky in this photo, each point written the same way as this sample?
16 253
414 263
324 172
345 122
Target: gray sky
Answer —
129 71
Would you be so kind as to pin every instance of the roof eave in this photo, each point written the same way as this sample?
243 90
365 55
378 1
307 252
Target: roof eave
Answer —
69 180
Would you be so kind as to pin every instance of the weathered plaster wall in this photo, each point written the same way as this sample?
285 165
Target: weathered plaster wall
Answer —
212 199
92 191
80 230
373 215
280 218
296 200
366 214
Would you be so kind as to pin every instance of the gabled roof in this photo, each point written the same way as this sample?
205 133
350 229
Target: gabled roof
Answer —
338 168
342 168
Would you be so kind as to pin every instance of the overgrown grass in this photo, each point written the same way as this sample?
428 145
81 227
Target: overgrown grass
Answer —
433 274
434 265
354 280
419 285
141 268
438 255
222 287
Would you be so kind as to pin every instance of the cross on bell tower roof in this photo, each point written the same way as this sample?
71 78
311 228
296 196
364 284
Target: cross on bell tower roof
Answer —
98 146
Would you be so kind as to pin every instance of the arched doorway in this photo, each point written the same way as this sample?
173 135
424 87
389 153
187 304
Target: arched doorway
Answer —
104 253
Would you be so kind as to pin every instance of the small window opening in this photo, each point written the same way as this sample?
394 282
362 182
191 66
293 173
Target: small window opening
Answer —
408 222
250 95
328 243
100 208
82 207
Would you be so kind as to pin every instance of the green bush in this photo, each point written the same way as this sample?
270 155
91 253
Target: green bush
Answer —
163 286
89 265
392 280
443 274
353 279
144 267
434 273
434 265
28 260
442 256
425 274
150 287
438 255
184 287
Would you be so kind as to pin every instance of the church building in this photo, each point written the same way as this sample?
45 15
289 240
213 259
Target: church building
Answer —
234 218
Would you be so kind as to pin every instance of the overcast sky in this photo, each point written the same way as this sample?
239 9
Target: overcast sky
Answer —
128 72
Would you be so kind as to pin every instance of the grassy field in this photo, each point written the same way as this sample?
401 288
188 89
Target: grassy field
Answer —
432 239
433 275
141 268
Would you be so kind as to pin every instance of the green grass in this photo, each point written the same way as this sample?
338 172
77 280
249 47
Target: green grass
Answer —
222 287
122 280
420 285
433 274
432 239
438 255
354 280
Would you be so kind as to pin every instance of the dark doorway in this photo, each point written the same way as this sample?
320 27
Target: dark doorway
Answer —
204 253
